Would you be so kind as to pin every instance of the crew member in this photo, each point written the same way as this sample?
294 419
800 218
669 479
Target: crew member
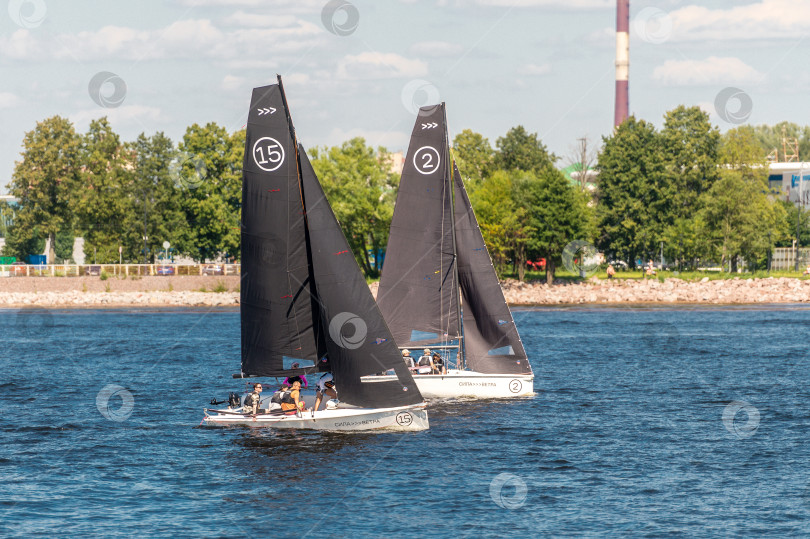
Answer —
325 386
252 400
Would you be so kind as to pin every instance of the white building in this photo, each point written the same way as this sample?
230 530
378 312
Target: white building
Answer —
792 179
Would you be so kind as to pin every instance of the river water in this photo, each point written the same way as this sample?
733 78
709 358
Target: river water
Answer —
646 422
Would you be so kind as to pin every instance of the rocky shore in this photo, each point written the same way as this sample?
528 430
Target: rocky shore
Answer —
88 292
213 291
721 291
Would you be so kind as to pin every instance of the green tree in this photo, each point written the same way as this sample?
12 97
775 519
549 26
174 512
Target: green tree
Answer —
770 137
23 240
740 214
788 234
558 214
740 147
43 182
503 220
474 156
7 212
157 200
209 174
521 150
63 246
631 179
690 150
361 189
103 205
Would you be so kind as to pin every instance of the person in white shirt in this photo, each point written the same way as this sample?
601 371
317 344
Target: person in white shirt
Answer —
425 363
325 386
406 357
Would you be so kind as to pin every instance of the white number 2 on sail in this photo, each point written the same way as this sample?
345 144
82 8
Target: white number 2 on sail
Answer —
268 154
426 160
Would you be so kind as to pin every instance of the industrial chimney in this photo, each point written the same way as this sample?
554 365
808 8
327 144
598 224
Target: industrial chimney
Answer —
622 61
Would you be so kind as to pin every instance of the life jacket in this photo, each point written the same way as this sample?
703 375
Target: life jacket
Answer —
424 361
252 401
281 396
288 402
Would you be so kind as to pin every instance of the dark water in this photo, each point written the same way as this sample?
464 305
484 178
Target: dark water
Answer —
646 423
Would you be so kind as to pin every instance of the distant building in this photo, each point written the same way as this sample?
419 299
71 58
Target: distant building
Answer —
573 171
397 163
792 179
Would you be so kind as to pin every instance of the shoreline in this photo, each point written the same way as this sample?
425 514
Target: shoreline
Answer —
219 291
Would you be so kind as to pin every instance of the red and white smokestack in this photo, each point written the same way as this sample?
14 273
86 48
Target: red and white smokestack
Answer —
622 61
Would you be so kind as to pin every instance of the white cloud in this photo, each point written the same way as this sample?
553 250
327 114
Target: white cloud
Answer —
231 83
712 70
436 49
191 38
20 45
388 139
379 65
298 6
256 20
8 100
535 70
125 115
766 19
575 4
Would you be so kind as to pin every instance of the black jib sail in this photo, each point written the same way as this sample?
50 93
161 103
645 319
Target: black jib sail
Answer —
300 282
491 341
358 341
418 293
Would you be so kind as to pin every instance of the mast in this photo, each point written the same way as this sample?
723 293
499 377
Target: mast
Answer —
456 288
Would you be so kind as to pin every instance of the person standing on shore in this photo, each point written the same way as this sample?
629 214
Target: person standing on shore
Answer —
611 271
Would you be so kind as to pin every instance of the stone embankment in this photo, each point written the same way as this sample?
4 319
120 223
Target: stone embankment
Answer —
721 291
213 291
168 291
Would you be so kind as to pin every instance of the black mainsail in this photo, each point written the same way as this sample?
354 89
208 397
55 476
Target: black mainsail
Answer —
280 325
301 285
492 344
418 293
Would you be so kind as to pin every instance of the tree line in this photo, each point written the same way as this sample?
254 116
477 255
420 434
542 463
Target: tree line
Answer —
129 195
703 194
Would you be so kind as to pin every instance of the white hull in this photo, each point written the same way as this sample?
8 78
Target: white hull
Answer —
342 418
470 384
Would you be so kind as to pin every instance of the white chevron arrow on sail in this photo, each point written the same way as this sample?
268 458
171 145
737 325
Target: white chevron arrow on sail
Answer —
430 125
268 110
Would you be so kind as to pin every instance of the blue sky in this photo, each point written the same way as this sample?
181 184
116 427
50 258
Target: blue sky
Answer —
545 64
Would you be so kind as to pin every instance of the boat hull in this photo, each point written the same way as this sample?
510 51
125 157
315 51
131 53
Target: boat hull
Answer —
341 419
469 384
